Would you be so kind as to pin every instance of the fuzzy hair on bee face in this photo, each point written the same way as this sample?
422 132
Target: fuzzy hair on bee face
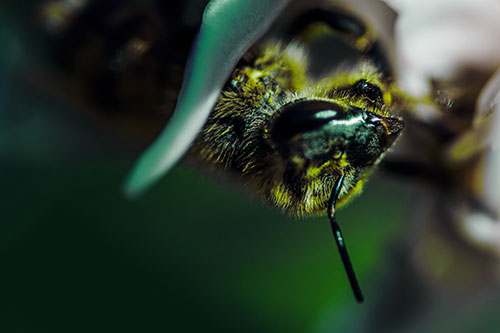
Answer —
289 138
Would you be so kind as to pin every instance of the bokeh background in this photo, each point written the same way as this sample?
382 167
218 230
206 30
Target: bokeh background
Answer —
191 255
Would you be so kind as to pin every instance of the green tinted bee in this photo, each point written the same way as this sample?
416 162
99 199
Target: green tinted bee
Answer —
301 142
289 139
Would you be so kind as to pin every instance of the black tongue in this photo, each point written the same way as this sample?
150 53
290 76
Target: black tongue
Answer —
339 240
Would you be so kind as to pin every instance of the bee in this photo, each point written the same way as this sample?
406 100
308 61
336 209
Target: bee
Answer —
303 143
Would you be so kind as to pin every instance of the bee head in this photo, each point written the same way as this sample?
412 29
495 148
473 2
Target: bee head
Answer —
319 130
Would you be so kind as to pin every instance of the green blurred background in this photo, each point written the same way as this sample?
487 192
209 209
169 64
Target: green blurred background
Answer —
191 255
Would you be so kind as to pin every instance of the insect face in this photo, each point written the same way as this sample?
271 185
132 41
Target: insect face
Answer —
289 137
321 139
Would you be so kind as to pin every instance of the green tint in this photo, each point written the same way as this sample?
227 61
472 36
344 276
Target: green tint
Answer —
190 256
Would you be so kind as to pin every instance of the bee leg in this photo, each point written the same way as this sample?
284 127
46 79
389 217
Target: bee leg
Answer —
344 25
339 239
347 27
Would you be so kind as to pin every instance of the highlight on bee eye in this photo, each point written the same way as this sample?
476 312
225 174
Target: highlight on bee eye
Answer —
303 116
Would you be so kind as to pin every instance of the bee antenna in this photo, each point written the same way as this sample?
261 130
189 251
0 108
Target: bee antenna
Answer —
339 239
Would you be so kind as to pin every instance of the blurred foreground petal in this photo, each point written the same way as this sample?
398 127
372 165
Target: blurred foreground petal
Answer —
484 229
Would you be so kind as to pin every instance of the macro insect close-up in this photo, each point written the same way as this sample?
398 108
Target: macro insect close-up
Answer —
279 113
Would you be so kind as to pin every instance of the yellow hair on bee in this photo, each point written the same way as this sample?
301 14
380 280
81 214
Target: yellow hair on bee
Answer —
237 134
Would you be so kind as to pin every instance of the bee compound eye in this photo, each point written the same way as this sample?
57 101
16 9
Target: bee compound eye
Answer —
302 117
